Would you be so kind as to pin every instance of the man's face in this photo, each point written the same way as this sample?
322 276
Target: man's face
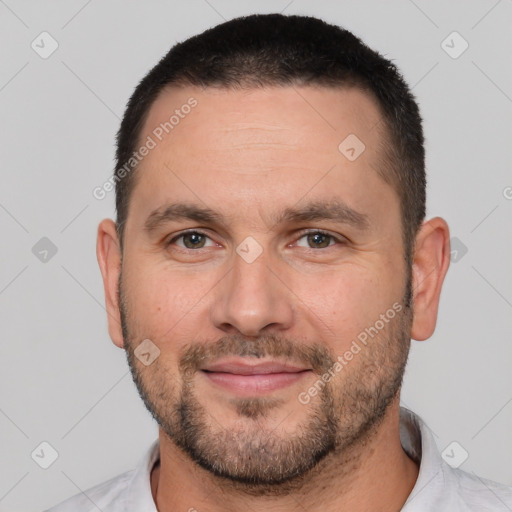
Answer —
253 285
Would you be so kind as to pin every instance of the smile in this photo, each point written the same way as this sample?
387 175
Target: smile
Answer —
239 377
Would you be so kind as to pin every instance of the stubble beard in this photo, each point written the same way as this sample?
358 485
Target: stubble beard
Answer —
251 456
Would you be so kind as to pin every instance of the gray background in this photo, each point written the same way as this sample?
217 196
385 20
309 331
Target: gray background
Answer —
62 381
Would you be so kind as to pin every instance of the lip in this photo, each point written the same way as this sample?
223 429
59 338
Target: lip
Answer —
239 367
242 378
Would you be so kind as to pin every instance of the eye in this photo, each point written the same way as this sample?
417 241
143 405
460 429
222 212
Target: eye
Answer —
319 239
191 240
194 239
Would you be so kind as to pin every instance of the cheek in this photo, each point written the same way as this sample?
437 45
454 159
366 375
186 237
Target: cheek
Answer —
347 301
163 303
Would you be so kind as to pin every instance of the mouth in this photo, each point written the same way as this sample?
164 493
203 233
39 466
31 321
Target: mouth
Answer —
243 378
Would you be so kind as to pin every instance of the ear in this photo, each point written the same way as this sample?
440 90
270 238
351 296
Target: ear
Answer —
430 264
109 259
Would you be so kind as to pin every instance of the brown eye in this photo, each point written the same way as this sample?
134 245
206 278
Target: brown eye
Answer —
318 239
193 240
190 240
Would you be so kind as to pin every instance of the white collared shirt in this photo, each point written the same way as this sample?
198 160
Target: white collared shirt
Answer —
439 487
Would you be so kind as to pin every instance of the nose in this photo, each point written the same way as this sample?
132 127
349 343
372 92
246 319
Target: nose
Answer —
252 300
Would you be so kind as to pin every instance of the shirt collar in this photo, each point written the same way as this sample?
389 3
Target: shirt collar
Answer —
140 497
418 442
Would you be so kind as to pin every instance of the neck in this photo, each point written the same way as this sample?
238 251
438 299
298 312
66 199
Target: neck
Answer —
374 475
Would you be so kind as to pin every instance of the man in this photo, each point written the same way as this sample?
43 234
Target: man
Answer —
269 265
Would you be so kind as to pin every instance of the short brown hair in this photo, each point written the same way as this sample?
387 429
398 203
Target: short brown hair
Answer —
279 50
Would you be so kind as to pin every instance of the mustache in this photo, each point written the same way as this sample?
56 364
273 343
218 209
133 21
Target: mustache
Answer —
316 356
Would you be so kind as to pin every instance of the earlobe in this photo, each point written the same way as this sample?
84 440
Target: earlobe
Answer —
109 259
431 260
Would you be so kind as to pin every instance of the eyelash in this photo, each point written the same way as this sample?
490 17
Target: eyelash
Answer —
339 240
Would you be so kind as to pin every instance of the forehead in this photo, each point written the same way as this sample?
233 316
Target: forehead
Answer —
261 146
275 114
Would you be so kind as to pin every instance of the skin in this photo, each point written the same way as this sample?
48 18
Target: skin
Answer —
248 155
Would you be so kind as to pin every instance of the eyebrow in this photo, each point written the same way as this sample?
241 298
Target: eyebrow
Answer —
334 210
